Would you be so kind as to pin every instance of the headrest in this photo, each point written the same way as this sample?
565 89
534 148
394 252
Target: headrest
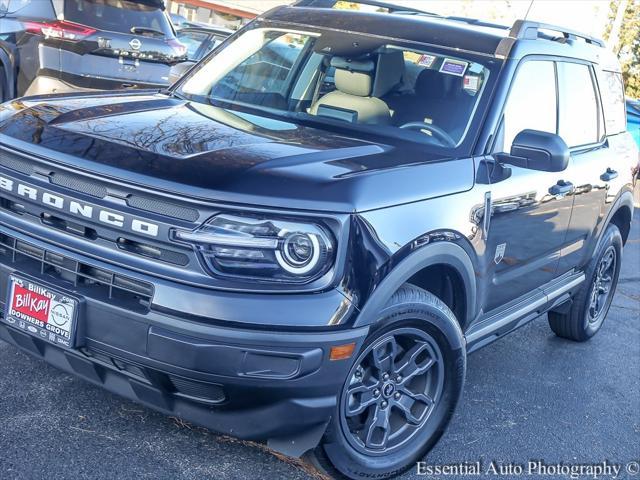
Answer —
389 70
352 65
353 83
353 76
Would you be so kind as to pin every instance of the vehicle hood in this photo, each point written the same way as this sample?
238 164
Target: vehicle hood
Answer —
205 152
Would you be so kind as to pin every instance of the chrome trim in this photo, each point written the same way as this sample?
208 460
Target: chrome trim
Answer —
229 241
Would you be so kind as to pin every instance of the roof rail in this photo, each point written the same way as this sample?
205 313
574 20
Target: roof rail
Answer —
527 29
399 9
477 22
374 3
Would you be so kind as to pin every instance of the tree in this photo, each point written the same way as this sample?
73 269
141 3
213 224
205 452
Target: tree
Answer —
627 45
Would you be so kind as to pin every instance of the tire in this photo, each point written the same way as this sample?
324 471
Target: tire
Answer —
430 352
584 319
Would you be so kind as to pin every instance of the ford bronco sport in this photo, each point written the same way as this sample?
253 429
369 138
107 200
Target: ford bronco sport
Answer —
302 240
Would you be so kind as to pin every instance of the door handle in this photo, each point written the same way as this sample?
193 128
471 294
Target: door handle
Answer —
609 175
561 188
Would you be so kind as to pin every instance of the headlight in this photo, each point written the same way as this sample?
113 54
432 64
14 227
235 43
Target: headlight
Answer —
261 248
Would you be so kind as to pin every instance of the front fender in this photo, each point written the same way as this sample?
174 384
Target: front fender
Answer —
432 254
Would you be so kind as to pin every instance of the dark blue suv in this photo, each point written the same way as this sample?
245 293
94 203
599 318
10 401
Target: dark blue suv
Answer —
302 240
54 46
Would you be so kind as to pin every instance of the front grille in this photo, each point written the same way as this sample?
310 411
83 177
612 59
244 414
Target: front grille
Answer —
99 189
163 208
93 282
199 391
15 162
72 182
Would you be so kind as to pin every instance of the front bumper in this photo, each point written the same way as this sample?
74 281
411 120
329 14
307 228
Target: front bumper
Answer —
247 381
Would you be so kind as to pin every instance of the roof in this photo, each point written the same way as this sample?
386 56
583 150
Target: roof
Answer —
417 28
456 33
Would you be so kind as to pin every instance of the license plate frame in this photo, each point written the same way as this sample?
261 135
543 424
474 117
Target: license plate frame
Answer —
41 311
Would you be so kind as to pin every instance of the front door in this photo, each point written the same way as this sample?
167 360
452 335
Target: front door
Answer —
529 224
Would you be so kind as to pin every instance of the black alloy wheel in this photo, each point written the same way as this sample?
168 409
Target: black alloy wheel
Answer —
590 304
400 392
602 285
393 387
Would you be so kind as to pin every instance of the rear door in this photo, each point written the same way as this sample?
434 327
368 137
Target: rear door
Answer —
581 126
592 124
117 43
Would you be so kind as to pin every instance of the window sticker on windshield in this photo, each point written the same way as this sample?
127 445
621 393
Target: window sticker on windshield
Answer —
426 60
471 83
453 67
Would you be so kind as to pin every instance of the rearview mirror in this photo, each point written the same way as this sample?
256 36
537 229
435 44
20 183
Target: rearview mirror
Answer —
537 150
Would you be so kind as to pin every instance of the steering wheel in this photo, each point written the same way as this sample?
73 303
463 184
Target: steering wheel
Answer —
439 134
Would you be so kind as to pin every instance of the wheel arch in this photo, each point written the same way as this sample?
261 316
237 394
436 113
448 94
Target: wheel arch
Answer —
443 255
621 215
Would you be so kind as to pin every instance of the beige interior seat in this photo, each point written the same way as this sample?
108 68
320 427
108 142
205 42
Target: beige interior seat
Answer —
352 101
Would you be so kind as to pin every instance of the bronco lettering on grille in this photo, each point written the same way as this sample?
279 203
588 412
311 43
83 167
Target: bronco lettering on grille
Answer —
76 208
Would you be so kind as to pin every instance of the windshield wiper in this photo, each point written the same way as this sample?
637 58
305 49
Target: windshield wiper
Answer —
143 30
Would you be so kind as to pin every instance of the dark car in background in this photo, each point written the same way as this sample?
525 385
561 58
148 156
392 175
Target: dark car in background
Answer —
199 41
69 45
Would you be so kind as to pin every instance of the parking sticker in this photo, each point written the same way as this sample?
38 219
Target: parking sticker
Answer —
453 67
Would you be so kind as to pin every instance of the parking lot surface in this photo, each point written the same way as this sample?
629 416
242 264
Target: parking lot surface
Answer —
530 396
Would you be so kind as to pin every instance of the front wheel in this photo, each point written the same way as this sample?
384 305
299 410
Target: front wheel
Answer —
401 390
591 304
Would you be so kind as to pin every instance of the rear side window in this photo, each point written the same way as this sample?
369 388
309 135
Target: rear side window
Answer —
579 111
532 101
612 93
28 8
117 15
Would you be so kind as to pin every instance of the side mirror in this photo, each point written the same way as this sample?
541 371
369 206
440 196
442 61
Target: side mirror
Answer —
537 150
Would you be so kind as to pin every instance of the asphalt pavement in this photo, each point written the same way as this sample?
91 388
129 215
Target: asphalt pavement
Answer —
529 396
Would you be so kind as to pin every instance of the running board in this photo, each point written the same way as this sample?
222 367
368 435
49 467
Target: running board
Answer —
496 326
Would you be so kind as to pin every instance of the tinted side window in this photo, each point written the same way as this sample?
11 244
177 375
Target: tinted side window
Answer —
117 15
612 93
532 101
579 115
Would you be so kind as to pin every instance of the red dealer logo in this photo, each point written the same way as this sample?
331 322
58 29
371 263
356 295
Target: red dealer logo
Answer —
31 303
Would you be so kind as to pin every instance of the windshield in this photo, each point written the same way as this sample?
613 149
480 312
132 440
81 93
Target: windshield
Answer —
383 87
